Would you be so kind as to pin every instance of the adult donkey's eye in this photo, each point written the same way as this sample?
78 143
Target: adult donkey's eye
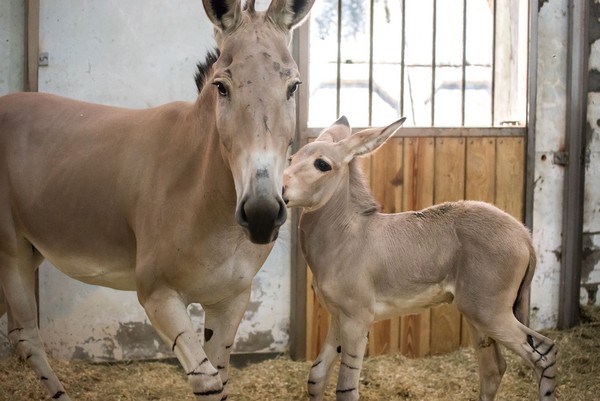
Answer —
221 88
293 88
322 165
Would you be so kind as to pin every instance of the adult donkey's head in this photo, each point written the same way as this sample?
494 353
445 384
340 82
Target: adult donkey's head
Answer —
255 78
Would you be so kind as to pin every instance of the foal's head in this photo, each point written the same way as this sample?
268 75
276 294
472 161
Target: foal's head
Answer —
254 80
317 170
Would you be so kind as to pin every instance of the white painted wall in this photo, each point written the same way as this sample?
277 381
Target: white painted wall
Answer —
12 77
549 178
549 138
12 46
591 212
138 53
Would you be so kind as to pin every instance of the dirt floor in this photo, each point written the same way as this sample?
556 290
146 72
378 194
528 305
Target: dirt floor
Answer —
449 377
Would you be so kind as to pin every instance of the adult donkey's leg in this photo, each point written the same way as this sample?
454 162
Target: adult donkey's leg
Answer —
321 367
221 324
168 314
491 364
17 276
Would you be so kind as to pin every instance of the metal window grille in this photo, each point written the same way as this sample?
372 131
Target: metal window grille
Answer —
440 63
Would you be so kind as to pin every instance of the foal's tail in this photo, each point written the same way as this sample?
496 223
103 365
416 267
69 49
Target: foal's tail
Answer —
521 305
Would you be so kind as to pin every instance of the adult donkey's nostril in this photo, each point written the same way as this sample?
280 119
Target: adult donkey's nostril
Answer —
282 215
261 217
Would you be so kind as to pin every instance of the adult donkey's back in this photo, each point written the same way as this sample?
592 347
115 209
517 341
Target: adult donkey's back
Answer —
180 203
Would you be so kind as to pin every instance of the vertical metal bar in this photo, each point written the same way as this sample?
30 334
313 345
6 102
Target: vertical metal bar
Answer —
338 71
464 66
532 53
298 301
433 62
493 86
573 198
402 53
371 40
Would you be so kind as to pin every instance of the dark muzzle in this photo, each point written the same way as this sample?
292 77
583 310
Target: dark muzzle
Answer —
261 217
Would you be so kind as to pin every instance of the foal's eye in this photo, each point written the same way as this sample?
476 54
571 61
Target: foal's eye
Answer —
293 88
221 88
322 165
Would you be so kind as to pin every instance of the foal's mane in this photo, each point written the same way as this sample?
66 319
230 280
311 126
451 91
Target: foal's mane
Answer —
360 194
204 68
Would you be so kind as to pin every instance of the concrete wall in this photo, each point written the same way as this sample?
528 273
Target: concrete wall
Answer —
136 53
591 213
12 76
549 138
12 46
549 177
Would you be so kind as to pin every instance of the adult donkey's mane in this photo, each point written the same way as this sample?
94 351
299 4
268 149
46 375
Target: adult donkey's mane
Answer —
204 68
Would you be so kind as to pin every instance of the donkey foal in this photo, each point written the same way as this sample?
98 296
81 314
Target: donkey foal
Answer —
369 266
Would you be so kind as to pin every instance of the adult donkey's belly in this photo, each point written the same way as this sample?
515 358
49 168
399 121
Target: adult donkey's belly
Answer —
61 187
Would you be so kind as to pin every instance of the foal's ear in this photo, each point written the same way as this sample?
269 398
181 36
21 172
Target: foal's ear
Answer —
339 130
224 14
288 14
366 141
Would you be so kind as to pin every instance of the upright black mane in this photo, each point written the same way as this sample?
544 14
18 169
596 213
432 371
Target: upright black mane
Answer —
204 67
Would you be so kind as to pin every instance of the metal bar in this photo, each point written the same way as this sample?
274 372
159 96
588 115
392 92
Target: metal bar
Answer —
572 230
402 53
468 132
298 313
338 71
371 34
464 65
493 84
433 62
531 112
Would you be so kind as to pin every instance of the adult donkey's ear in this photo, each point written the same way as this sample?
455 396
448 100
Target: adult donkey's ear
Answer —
224 14
366 141
287 14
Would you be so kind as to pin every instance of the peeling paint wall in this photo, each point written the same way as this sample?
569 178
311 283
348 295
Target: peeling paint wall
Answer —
137 53
590 271
549 177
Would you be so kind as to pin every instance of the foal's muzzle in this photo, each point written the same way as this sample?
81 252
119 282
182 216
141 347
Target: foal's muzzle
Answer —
261 217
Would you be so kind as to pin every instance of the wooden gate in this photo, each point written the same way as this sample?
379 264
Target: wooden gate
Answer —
414 171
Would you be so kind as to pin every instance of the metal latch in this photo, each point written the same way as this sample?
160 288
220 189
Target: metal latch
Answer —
560 158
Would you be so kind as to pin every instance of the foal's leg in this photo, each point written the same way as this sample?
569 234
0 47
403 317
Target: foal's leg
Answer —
538 351
354 333
17 276
221 324
168 314
491 364
319 372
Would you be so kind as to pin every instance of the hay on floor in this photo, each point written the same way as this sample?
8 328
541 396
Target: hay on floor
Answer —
391 377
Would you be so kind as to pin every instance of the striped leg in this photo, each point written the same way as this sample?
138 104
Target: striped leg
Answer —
538 351
491 364
169 316
354 334
321 368
221 324
17 276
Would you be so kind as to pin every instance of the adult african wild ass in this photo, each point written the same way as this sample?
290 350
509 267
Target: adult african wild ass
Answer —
180 203
369 266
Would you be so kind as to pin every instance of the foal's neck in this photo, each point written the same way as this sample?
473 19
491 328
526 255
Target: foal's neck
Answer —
352 200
